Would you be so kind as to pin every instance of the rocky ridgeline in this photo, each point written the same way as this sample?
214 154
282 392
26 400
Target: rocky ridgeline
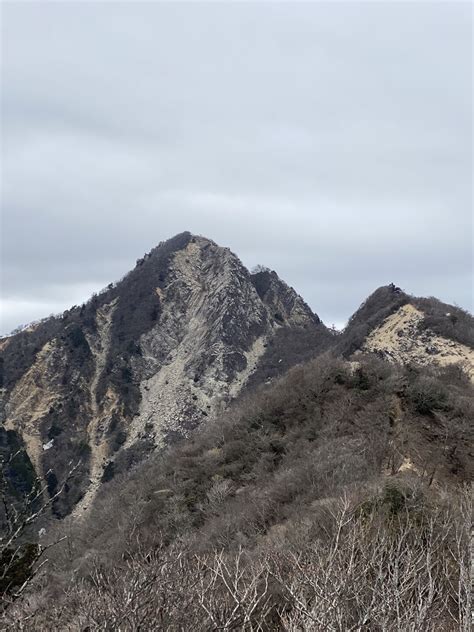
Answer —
213 330
167 348
143 363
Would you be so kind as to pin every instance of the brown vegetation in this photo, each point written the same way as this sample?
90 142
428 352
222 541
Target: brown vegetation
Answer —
388 564
335 499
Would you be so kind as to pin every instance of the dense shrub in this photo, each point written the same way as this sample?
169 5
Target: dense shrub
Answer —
446 320
427 394
326 427
346 569
296 492
382 303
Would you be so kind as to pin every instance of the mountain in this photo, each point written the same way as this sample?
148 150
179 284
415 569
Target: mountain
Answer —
326 426
237 465
143 363
407 329
171 345
304 506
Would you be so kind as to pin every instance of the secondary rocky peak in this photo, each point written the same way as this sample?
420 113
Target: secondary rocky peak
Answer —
384 299
403 338
282 300
408 329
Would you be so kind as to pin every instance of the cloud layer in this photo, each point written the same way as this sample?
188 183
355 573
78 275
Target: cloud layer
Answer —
331 142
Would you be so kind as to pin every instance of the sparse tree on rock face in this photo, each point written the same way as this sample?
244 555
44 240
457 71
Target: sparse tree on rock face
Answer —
260 268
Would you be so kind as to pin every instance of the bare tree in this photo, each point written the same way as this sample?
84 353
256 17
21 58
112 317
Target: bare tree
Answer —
233 591
405 576
20 558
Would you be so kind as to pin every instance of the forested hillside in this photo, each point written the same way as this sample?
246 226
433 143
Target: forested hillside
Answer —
334 499
194 449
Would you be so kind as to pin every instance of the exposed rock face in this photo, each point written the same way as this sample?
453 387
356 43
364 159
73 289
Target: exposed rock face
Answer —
167 348
143 363
406 329
400 339
282 302
210 337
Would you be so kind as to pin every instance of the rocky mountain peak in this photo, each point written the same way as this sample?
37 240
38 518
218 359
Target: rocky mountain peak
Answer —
144 362
170 346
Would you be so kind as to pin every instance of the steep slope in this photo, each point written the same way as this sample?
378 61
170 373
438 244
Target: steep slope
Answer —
292 343
264 474
363 465
144 362
343 477
406 329
167 348
400 338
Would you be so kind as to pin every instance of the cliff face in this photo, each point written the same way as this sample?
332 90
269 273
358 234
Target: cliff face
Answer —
143 363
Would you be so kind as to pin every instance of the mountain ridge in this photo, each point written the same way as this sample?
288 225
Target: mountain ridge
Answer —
169 347
142 363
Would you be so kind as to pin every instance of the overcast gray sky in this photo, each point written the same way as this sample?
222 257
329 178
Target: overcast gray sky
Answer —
328 141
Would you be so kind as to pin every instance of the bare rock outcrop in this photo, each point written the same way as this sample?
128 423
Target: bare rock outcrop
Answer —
143 363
